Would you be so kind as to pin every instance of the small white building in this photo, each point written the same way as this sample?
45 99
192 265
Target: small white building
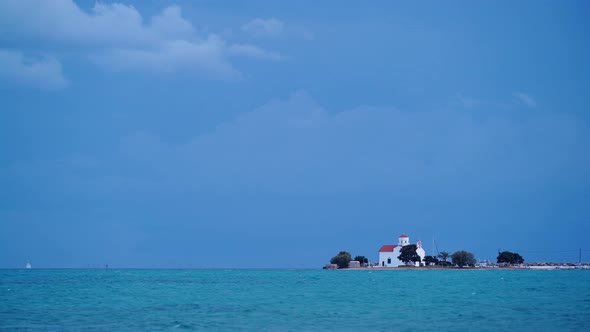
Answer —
354 264
389 252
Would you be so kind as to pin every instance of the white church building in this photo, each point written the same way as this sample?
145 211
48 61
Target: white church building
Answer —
389 252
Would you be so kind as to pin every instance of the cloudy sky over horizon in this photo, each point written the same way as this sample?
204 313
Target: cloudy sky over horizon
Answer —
265 134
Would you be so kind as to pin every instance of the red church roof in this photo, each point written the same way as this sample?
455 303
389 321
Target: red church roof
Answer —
403 235
387 248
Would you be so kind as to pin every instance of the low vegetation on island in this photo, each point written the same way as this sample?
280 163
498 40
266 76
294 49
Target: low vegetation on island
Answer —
342 259
361 259
444 256
507 257
463 258
431 260
409 256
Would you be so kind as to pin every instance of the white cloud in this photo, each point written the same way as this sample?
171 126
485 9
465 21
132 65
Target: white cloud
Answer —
273 27
106 25
264 27
206 57
44 72
253 52
117 37
296 145
526 99
170 23
64 21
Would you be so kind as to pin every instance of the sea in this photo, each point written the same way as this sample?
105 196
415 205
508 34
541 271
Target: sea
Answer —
294 300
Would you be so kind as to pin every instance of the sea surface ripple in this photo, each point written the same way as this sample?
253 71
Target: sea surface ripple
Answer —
294 300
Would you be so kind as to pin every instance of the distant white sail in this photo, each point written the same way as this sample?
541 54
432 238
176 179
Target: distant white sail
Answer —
28 266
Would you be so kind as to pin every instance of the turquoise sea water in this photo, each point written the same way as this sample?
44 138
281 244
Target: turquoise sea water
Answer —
294 300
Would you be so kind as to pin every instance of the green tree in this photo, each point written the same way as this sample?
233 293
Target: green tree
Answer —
463 258
408 254
443 255
361 259
430 260
509 258
342 259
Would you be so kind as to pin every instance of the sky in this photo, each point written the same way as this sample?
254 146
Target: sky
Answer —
265 134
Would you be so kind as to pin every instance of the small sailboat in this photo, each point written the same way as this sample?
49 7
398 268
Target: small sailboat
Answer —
28 266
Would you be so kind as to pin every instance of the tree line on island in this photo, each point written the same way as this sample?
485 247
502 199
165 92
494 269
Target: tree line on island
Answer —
409 256
344 258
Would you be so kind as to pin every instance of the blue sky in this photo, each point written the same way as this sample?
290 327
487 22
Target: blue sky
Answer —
275 134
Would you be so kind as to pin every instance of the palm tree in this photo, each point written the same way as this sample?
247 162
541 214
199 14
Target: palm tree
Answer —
443 255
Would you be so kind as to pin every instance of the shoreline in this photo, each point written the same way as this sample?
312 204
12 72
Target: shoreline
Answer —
433 268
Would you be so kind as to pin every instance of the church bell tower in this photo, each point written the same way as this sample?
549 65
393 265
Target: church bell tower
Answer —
404 240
